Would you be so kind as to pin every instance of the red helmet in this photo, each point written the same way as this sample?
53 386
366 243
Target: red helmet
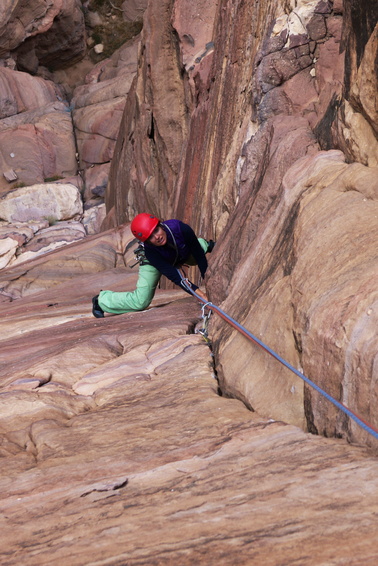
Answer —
143 225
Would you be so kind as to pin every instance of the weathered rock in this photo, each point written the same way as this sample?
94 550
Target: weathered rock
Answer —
48 239
194 24
161 117
300 297
133 10
99 106
19 92
51 201
8 247
38 145
21 231
96 129
232 145
234 156
10 176
51 34
93 218
75 448
96 179
25 240
90 257
19 20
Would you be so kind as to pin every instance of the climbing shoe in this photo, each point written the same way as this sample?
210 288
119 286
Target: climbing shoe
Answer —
96 309
211 245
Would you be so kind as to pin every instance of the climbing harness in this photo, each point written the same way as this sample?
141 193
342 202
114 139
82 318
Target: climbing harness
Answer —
366 426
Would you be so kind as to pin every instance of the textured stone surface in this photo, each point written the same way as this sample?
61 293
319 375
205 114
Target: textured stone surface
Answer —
313 297
38 145
19 92
269 93
93 218
116 446
114 438
133 10
98 107
51 33
50 201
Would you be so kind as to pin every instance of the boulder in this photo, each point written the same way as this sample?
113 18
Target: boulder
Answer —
51 34
50 201
96 179
39 145
93 218
20 92
8 247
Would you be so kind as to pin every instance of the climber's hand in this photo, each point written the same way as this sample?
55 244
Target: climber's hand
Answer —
201 294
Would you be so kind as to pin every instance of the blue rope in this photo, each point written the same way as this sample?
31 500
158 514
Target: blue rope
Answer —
368 428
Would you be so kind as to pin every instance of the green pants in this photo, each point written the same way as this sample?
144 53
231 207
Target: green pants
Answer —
141 297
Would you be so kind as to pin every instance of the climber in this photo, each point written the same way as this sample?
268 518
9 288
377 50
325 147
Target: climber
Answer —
165 247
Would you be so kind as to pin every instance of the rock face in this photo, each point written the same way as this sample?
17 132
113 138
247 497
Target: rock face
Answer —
51 131
113 431
257 120
42 33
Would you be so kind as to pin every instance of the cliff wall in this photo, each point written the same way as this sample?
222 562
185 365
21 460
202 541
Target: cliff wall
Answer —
257 124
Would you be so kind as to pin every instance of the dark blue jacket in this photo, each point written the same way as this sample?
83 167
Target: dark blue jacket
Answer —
181 244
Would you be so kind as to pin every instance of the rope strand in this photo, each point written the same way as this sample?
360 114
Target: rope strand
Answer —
366 426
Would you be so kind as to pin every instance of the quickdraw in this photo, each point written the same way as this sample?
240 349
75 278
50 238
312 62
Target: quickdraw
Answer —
358 420
204 331
140 255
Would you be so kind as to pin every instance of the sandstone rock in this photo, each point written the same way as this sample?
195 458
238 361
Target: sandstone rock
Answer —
356 136
8 248
122 62
48 201
96 128
38 145
98 111
96 179
23 231
48 239
236 170
194 24
163 117
177 463
93 218
91 256
63 41
19 21
295 262
320 277
19 92
133 10
10 176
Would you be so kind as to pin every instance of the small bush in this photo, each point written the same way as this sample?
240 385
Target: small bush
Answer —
114 35
52 179
51 220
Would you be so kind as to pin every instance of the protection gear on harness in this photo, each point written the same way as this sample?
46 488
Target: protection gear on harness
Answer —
143 225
